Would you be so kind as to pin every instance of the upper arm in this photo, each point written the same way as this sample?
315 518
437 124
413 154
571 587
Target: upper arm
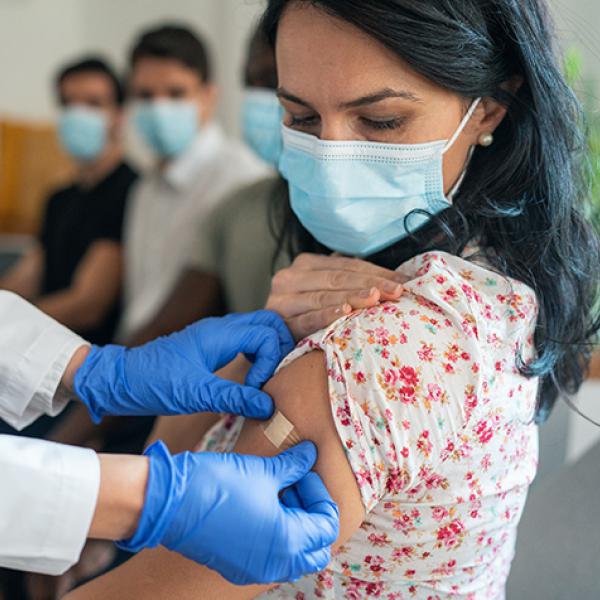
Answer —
180 310
99 274
301 392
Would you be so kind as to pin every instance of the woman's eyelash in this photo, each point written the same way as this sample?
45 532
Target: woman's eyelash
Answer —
389 124
302 121
373 124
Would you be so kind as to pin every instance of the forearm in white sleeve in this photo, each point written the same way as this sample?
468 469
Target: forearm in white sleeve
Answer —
48 495
34 353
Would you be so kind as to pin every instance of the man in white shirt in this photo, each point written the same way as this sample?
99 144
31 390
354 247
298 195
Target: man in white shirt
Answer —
52 497
174 102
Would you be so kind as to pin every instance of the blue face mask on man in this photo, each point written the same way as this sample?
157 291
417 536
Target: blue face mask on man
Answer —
83 132
167 126
358 198
261 123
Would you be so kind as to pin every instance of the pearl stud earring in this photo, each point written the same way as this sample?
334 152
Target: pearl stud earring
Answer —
486 139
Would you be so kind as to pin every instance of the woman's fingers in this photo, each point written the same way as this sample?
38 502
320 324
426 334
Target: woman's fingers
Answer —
298 304
290 281
320 262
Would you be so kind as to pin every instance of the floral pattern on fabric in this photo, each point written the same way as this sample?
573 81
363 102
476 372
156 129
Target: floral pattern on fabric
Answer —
436 421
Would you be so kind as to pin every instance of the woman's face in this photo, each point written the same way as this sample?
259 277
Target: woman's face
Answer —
339 84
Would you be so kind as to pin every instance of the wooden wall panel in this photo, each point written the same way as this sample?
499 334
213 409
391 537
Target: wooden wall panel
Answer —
32 164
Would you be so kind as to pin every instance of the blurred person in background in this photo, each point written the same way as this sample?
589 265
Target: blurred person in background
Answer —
74 271
174 100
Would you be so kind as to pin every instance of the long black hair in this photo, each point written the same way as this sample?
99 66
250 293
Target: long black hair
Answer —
524 197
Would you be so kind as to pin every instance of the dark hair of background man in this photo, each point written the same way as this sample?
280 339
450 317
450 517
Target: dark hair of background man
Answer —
177 43
92 64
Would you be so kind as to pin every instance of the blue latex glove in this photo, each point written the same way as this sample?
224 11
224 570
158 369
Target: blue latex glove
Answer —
174 374
224 511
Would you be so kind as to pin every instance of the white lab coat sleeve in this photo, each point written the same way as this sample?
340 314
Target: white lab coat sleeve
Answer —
48 495
34 353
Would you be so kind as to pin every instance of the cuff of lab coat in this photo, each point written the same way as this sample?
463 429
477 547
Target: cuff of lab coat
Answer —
73 508
43 368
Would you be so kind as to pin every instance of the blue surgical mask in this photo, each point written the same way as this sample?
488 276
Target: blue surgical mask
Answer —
358 198
261 121
167 126
83 132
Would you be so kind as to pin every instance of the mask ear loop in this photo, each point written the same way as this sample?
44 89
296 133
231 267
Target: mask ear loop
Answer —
462 125
451 195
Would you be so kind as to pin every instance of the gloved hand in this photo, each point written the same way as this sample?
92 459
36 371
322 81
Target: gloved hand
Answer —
224 511
174 374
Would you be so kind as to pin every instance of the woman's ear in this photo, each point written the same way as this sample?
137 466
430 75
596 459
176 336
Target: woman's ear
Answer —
491 112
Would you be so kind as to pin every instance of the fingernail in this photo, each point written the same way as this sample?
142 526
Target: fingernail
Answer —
399 277
392 288
347 309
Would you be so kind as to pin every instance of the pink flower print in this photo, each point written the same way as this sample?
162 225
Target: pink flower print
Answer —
343 414
439 513
436 481
452 353
450 294
374 589
435 393
450 535
400 554
404 452
484 432
467 290
425 354
379 540
409 376
424 445
375 565
363 477
396 481
407 394
486 462
391 377
359 377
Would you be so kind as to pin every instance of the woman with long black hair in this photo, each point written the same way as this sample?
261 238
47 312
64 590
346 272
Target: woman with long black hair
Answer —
438 138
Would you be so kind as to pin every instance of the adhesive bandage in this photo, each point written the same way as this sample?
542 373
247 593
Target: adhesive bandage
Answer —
280 432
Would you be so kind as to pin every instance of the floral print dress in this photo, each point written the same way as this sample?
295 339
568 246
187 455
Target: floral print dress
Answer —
436 421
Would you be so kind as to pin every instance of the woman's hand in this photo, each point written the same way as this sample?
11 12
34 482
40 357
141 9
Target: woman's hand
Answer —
317 290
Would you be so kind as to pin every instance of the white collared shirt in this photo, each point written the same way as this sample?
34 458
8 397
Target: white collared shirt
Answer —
164 214
48 492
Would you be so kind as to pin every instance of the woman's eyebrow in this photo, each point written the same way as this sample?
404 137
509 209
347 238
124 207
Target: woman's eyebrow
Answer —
379 96
363 101
283 93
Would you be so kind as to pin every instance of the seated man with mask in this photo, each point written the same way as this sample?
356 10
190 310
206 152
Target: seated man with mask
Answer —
174 102
73 273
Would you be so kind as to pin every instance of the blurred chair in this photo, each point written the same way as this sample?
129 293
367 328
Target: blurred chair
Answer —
32 164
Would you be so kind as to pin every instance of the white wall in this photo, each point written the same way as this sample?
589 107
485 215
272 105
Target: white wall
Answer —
36 36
